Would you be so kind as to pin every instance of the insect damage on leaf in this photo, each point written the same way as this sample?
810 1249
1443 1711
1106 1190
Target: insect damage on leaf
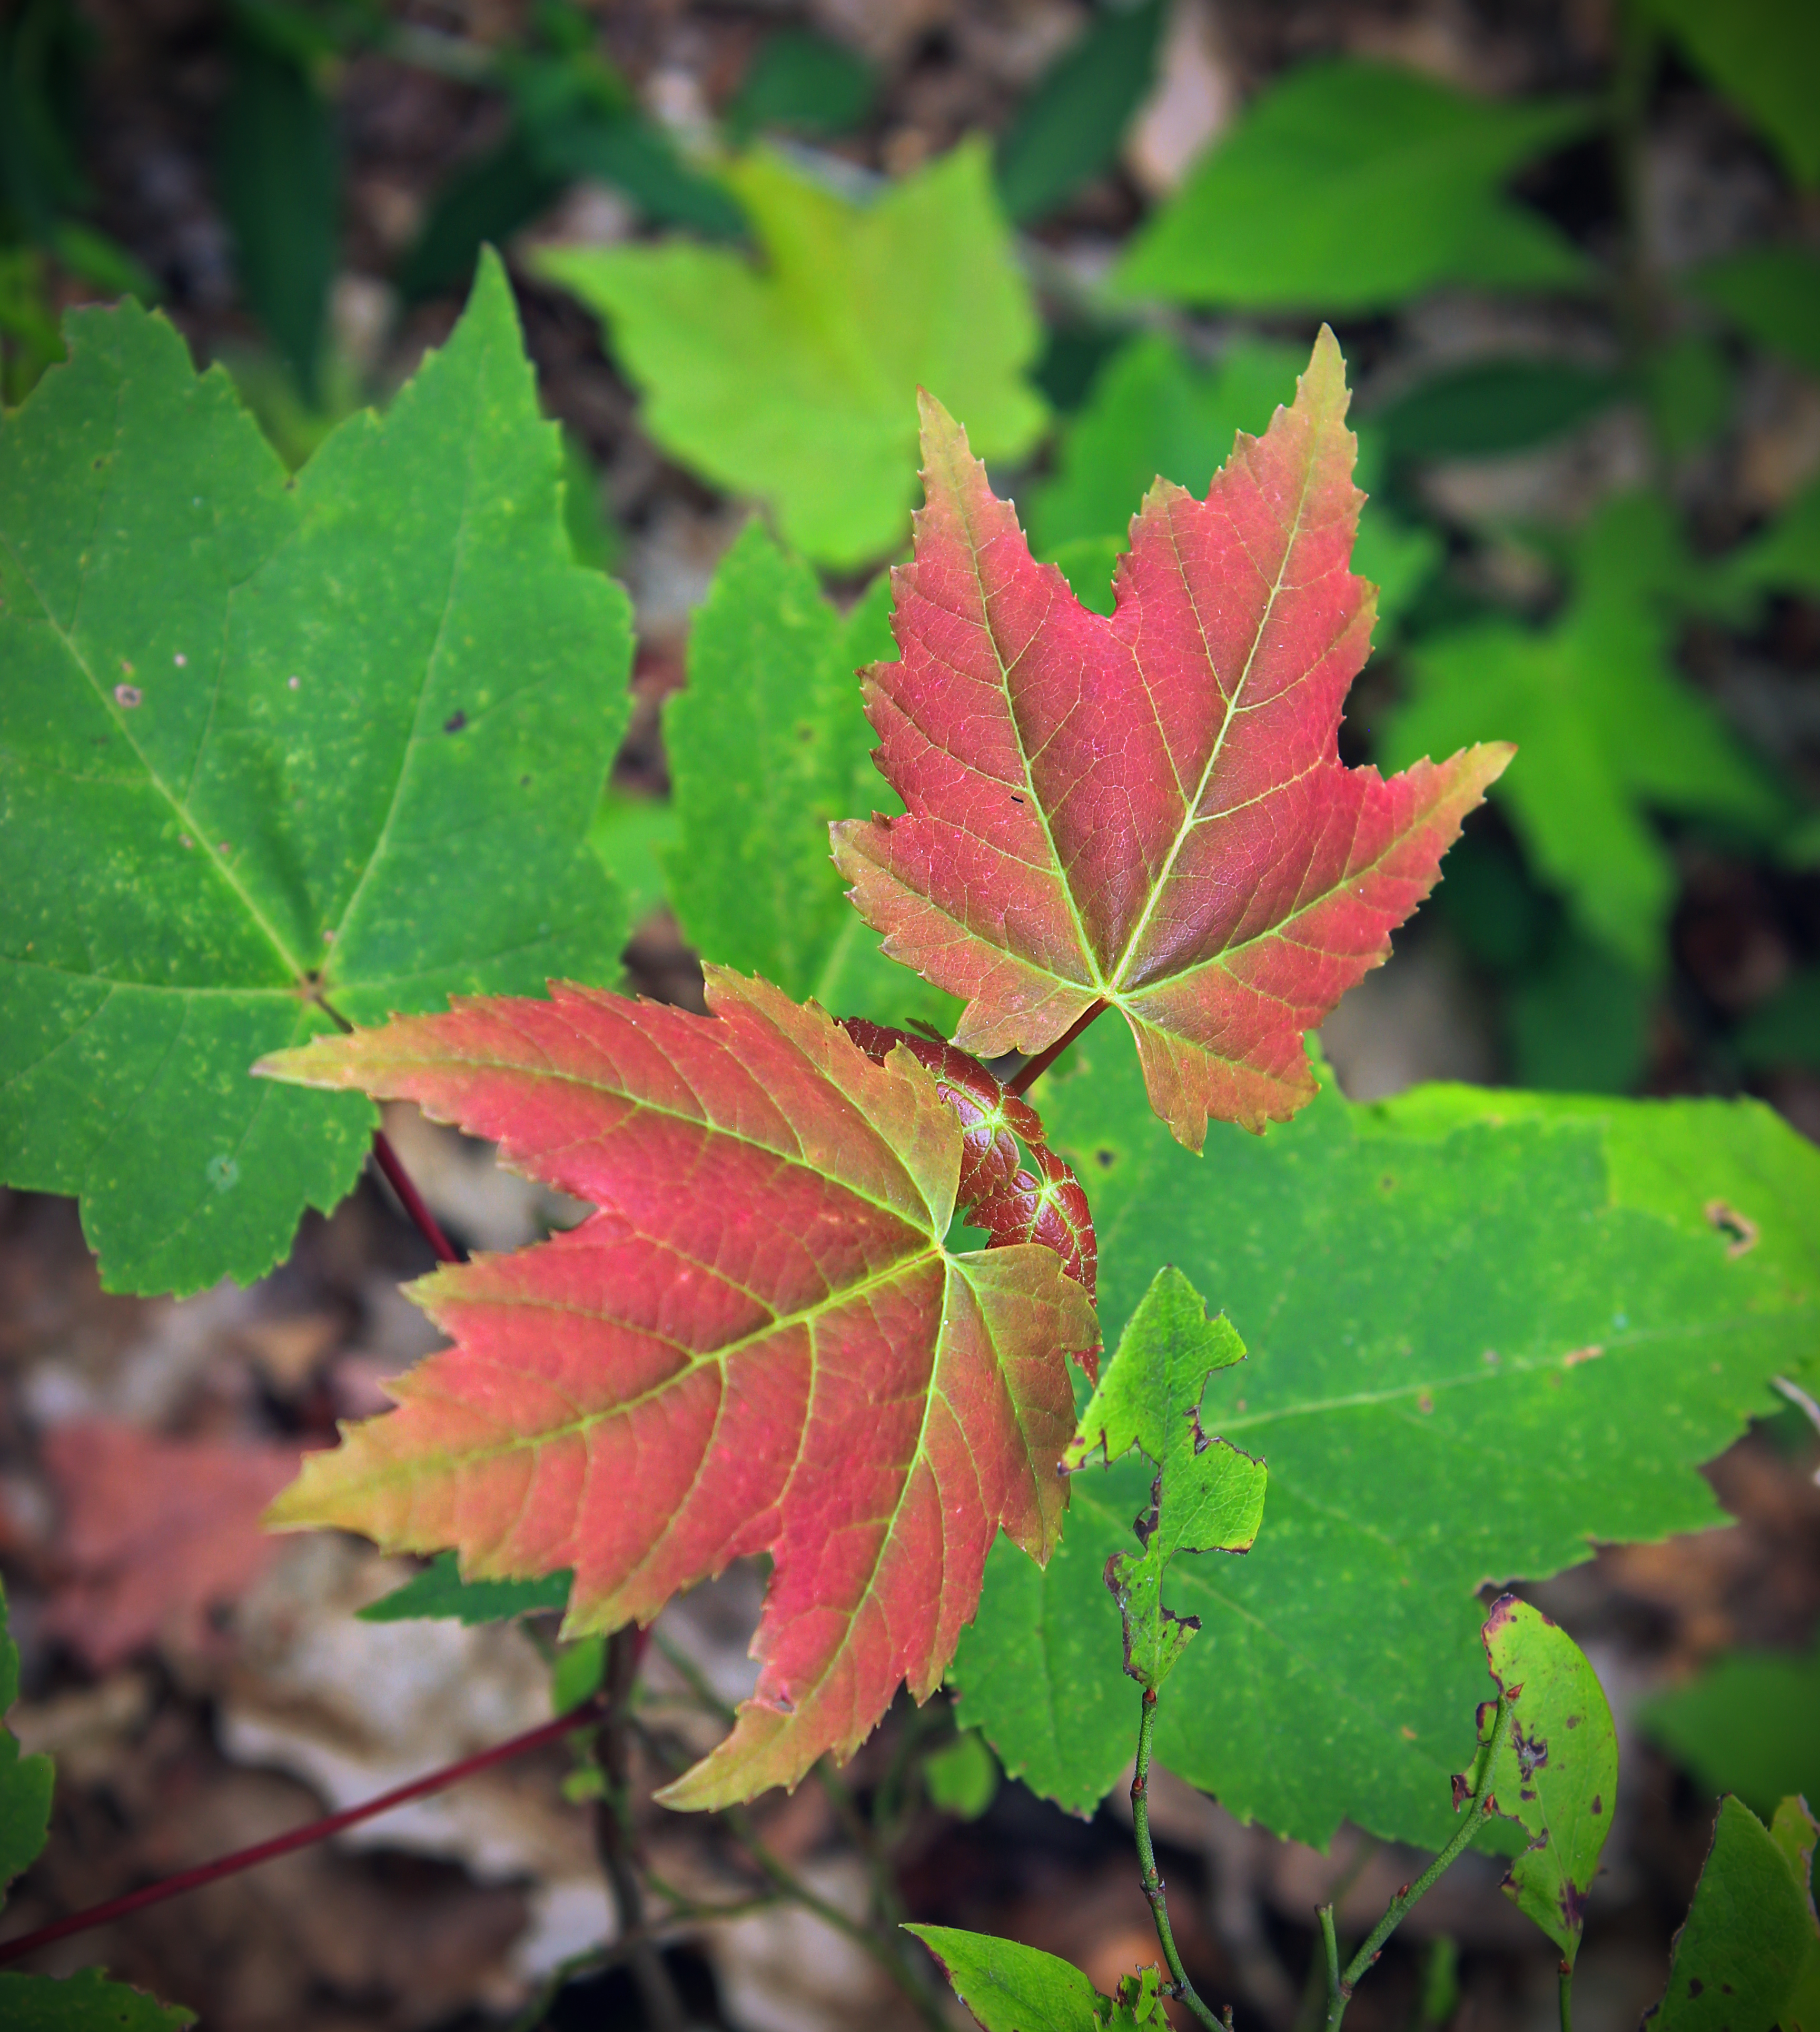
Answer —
758 1342
1149 811
1554 1765
1206 1496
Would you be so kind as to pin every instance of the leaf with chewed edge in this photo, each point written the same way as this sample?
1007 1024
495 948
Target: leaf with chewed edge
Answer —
1554 1765
758 1342
1148 812
1740 1954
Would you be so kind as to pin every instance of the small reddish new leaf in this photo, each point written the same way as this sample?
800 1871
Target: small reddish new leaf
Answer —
758 1343
1149 810
1011 1202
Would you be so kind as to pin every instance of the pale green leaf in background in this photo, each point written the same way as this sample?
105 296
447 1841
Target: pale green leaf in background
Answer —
1785 557
1750 1724
794 382
271 748
439 1592
1477 1347
1772 293
1151 414
767 744
1764 55
962 1777
1607 731
1348 187
25 1782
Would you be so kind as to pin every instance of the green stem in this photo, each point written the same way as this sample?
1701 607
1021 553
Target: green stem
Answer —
613 1841
902 1973
1151 1880
1567 1997
1340 1987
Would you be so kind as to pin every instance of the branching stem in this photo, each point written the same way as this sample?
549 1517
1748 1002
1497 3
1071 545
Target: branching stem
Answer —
1152 1880
1340 1985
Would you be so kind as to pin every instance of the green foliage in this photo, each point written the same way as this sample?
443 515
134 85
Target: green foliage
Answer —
1741 1951
580 1674
629 836
1765 56
1746 1725
1069 129
279 174
1794 1831
1151 413
802 80
25 1782
1010 1988
1554 1765
1785 557
795 383
1784 1030
1606 730
1772 293
962 1777
1351 187
1494 406
1206 1496
439 1591
767 744
276 753
1432 1290
86 2001
573 116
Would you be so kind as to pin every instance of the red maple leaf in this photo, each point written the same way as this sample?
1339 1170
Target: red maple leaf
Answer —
1011 1202
1149 811
758 1343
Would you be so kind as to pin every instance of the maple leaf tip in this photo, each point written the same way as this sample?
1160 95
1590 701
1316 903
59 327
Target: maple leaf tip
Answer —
319 1062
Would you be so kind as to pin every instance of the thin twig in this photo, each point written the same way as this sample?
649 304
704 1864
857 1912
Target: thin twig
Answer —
1152 1880
1340 1987
775 1871
412 1201
663 2008
317 1831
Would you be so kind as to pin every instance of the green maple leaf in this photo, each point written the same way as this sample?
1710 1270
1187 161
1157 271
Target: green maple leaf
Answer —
1151 412
1486 1330
1352 187
794 383
767 744
1606 730
274 753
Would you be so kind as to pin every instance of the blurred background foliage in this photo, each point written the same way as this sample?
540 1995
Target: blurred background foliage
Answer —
1571 251
1573 267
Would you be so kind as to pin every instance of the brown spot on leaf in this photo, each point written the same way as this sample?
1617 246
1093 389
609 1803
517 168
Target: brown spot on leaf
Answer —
455 722
1599 1805
1425 1403
127 694
1739 1227
1575 1356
